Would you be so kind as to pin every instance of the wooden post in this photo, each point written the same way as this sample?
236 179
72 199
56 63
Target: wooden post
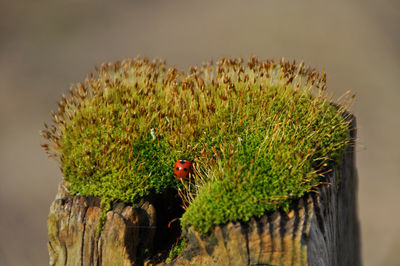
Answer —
320 229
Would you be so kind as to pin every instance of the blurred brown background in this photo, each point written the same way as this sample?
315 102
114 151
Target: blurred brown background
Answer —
47 45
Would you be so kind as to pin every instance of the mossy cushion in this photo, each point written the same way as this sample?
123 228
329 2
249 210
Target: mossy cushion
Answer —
259 135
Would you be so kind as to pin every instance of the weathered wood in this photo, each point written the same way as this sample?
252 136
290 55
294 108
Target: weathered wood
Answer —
321 229
73 236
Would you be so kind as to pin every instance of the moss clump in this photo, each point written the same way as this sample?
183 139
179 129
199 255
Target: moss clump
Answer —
260 134
176 250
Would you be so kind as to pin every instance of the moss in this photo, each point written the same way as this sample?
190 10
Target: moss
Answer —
176 250
260 135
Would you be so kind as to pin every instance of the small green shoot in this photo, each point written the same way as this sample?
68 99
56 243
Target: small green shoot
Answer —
176 250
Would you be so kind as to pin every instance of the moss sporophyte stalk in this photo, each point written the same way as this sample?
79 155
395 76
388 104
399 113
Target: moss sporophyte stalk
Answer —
259 135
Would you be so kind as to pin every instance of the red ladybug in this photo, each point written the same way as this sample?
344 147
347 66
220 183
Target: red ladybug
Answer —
182 169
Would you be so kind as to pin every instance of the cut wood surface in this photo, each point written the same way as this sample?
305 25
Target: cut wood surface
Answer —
320 229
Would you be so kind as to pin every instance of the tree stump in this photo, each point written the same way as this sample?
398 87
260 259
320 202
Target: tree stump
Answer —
320 229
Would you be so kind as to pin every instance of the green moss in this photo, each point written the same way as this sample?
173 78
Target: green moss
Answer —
260 135
176 250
